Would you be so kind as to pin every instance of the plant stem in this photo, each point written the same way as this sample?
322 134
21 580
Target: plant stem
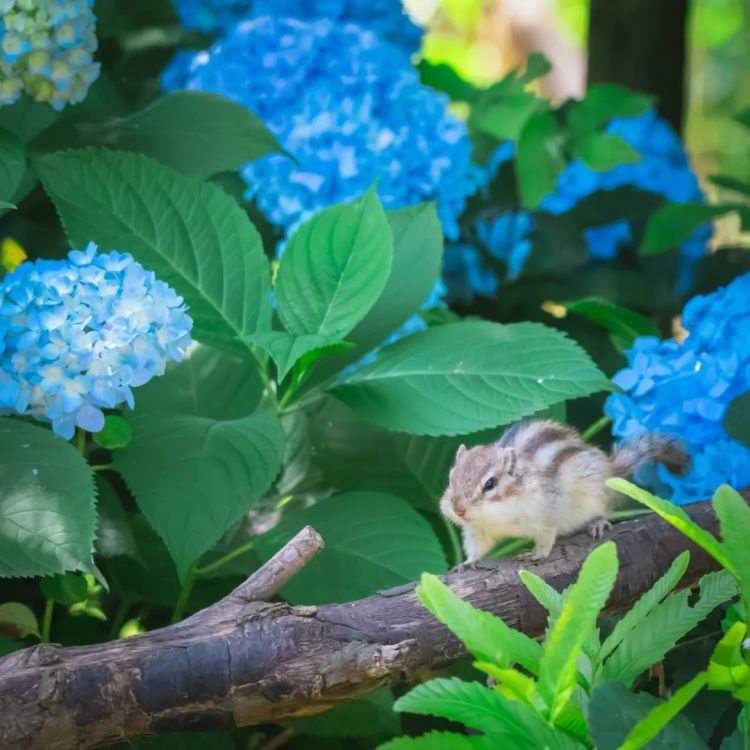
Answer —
49 607
119 618
456 549
594 429
216 564
102 467
80 438
631 513
280 739
267 382
185 591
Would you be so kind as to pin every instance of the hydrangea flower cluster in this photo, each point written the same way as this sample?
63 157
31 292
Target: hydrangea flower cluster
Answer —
46 49
663 169
385 17
348 109
684 389
77 335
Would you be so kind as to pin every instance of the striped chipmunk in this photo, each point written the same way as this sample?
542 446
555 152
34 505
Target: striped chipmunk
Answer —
541 481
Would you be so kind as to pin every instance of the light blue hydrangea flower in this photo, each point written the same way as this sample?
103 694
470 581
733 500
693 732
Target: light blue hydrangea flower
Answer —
684 389
349 110
77 335
385 17
46 49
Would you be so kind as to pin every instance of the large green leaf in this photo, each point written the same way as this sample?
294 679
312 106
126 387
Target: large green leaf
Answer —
672 224
18 620
728 668
373 541
640 610
647 728
657 633
558 671
191 234
417 256
510 724
439 741
540 158
614 710
677 517
463 377
604 101
203 451
334 269
603 152
12 164
196 132
47 503
486 636
626 325
734 520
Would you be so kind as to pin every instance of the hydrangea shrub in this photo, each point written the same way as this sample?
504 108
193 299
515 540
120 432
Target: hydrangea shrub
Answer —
684 389
46 50
77 335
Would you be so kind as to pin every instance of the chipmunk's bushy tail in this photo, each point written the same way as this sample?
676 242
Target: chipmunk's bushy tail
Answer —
650 448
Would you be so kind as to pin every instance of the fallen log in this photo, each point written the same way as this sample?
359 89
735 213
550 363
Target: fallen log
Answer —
246 660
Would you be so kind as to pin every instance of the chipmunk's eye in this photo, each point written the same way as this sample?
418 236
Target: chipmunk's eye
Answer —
489 484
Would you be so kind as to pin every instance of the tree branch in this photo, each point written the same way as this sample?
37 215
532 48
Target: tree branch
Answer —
244 661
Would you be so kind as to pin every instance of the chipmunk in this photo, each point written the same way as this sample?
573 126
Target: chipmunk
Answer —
541 480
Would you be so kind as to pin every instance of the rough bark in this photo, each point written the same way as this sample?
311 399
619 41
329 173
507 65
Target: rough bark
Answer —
245 661
641 44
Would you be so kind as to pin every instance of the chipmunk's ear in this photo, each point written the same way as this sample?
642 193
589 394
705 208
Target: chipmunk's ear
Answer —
461 451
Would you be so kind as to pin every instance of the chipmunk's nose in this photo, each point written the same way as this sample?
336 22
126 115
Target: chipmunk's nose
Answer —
460 512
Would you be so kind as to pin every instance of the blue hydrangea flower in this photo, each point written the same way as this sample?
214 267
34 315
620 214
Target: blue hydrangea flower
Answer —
684 389
506 238
466 274
46 49
350 111
77 335
385 17
664 169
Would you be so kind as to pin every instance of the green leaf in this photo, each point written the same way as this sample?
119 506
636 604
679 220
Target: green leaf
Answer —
65 589
443 77
602 152
354 455
373 541
540 158
657 633
439 741
486 636
286 350
9 206
502 113
605 101
451 379
734 522
677 517
191 234
334 269
743 117
537 66
417 257
12 165
371 716
510 724
194 476
116 433
727 669
558 668
115 533
731 183
550 599
195 132
614 710
737 419
18 620
646 729
672 224
622 322
47 503
645 604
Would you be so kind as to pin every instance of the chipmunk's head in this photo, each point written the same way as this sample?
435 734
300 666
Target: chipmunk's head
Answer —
483 474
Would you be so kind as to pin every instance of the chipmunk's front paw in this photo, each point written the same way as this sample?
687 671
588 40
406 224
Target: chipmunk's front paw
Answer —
598 527
467 565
